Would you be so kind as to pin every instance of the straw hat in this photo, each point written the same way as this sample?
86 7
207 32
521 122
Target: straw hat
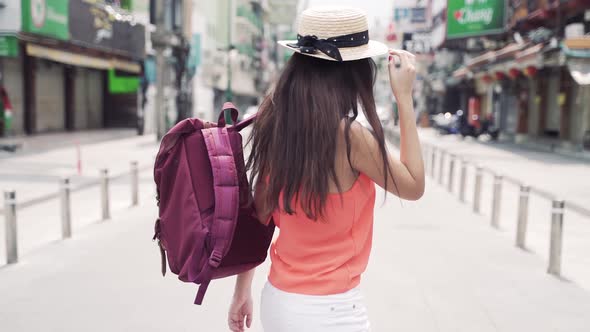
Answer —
335 33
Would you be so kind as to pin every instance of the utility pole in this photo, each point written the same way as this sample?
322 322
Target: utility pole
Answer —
228 91
159 46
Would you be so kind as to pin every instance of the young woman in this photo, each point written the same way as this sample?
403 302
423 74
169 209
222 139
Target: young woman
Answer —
316 168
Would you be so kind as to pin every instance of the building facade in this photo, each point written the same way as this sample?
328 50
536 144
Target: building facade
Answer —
69 65
523 64
168 80
238 56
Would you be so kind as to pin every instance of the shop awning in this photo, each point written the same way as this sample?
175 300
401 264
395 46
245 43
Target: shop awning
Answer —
495 56
528 53
489 56
509 51
461 73
81 60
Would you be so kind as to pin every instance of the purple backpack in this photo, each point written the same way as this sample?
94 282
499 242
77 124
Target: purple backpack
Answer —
207 226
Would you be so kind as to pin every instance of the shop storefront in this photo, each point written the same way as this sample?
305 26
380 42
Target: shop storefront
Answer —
57 62
94 28
578 70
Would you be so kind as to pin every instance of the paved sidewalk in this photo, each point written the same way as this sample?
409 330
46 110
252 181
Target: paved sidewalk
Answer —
50 141
37 173
435 267
562 176
565 178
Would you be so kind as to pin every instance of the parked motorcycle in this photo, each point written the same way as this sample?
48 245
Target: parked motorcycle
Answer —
464 124
446 123
472 125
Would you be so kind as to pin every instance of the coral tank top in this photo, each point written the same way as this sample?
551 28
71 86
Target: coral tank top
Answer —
325 256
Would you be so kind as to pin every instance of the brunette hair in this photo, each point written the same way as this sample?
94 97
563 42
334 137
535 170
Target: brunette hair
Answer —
294 137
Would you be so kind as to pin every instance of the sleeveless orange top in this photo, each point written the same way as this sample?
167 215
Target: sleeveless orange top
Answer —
325 256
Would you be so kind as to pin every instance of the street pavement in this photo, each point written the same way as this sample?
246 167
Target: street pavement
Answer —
435 266
565 178
58 140
35 172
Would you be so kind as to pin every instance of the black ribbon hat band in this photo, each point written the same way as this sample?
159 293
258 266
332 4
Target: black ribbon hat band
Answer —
330 46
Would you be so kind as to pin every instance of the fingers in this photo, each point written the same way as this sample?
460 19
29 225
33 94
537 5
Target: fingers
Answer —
249 320
393 54
407 60
235 323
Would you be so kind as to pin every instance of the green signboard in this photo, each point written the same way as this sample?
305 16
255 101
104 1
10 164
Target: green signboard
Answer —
122 84
466 18
46 17
8 46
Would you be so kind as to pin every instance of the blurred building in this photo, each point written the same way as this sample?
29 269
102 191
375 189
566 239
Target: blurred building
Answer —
237 49
168 79
523 64
69 64
409 28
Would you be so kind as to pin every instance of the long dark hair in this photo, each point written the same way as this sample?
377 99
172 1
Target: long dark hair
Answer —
295 135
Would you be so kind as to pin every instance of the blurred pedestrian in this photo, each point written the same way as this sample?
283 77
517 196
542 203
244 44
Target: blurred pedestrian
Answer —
315 169
5 112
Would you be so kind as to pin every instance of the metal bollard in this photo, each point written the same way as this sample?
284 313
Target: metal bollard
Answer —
441 167
10 224
523 214
451 173
556 238
432 161
134 183
463 180
477 190
496 200
104 186
66 212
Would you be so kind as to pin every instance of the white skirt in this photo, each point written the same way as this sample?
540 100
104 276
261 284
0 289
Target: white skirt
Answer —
288 312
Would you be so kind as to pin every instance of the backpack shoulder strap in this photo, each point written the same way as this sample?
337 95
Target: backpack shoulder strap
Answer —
246 122
226 187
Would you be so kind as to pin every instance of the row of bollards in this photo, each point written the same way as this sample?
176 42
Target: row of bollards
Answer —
477 190
463 180
10 224
556 236
496 200
65 190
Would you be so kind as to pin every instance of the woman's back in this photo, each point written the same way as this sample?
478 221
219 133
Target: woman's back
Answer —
326 256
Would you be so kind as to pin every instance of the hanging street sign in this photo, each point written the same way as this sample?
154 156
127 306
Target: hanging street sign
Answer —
470 18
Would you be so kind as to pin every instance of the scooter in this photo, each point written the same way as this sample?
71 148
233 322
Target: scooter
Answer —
476 127
447 123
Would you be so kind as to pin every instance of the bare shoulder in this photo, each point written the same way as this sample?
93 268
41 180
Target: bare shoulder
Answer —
361 138
357 130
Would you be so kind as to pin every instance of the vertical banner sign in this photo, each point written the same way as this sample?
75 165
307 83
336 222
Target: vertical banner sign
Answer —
46 17
467 18
8 46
